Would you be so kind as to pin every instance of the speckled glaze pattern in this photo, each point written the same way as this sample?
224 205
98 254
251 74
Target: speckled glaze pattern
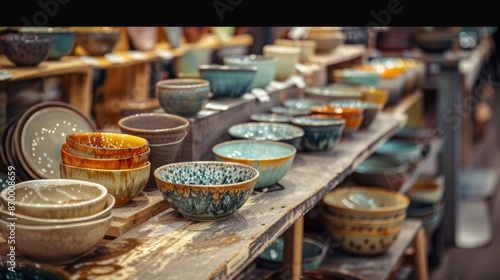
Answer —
105 144
272 159
183 97
320 134
206 190
281 132
228 81
25 49
63 40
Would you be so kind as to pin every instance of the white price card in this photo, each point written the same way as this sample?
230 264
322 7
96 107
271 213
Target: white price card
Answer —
90 60
261 95
297 33
137 55
298 81
113 58
165 54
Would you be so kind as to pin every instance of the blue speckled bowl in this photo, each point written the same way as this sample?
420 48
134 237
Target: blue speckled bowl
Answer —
320 133
228 81
281 132
25 49
272 159
266 67
206 190
184 96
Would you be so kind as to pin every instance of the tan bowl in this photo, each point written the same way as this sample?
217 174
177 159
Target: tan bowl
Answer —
366 202
123 184
5 214
103 163
307 47
105 144
56 198
57 244
363 225
287 57
375 94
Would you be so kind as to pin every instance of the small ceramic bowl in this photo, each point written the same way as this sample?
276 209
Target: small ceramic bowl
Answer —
357 77
353 116
303 103
287 57
272 159
326 41
370 110
123 184
98 42
382 171
183 96
290 111
26 50
320 134
282 132
56 198
307 47
266 67
401 150
366 202
228 81
375 94
333 92
63 39
365 225
270 117
156 128
57 244
427 189
103 163
28 270
106 145
206 190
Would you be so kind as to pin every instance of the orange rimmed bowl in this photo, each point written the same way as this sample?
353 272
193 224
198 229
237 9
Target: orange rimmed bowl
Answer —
353 116
106 145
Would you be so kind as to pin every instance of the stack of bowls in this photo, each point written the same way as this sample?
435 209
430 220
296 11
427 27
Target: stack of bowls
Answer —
370 110
165 134
56 220
118 161
353 115
364 220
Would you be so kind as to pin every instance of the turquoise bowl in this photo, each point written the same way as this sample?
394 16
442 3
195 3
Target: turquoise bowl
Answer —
405 151
183 96
206 190
272 159
303 103
281 132
270 117
320 133
266 67
228 81
63 39
31 270
357 77
334 92
382 171
313 254
370 110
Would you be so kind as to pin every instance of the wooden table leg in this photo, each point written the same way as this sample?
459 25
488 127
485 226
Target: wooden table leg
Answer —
420 255
292 251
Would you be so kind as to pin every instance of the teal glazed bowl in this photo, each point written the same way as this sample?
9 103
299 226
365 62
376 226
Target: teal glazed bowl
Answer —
282 132
290 111
266 67
228 81
382 171
63 39
26 50
206 190
185 97
370 110
404 151
357 77
272 159
320 133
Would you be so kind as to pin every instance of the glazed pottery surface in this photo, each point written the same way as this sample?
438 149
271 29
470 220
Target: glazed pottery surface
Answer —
266 67
364 225
382 171
370 110
106 144
184 97
313 253
228 81
56 198
307 47
25 49
353 116
206 190
404 151
287 57
290 111
373 94
63 39
333 92
303 103
358 77
272 159
270 117
27 270
98 42
320 134
282 132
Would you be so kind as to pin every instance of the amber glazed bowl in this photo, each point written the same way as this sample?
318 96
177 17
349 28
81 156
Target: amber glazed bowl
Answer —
123 184
353 116
206 190
106 145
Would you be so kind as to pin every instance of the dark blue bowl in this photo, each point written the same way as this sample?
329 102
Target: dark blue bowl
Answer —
26 49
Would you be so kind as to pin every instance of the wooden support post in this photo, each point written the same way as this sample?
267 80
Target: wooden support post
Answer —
420 255
292 252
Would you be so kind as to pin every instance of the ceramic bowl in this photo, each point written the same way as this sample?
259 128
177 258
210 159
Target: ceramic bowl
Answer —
353 116
435 41
27 50
206 190
320 134
422 136
357 77
228 81
313 254
431 214
287 57
156 128
270 117
272 159
374 94
401 150
186 65
307 47
103 163
407 65
183 96
370 110
427 189
364 243
266 67
106 145
63 39
223 33
123 184
382 171
5 214
391 79
326 40
290 111
303 103
282 132
98 42
143 38
359 202
28 270
56 198
57 244
364 225
333 92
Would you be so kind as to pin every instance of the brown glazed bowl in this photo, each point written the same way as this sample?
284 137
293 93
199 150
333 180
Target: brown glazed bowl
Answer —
106 145
98 42
353 116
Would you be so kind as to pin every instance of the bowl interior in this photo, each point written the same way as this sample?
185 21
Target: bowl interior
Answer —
366 198
253 150
105 140
153 122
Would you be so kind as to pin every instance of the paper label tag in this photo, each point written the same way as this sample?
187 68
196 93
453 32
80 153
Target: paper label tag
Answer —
114 58
90 60
298 81
216 106
137 55
165 54
261 95
297 33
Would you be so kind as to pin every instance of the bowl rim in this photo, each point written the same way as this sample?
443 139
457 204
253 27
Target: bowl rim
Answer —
64 150
76 144
226 68
182 83
250 59
334 120
293 150
146 165
123 122
299 132
61 226
38 38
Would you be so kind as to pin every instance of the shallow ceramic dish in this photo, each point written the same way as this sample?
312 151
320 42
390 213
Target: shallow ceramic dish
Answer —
183 96
228 81
366 202
313 254
63 39
25 50
303 103
320 134
266 67
31 270
58 244
382 171
282 132
5 214
333 92
270 117
56 198
123 184
106 144
206 190
157 128
272 159
290 111
370 110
